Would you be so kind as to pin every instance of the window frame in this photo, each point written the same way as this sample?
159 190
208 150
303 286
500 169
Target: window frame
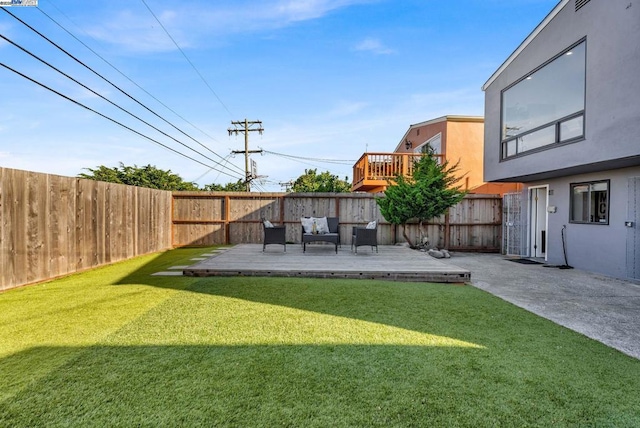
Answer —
608 201
557 123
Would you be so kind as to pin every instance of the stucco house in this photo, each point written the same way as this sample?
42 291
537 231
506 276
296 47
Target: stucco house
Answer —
453 138
562 115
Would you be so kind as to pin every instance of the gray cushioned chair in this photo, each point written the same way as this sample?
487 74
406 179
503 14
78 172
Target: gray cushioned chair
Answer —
363 236
274 235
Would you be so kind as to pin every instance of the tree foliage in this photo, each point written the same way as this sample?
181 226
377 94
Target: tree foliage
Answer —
152 177
428 193
311 181
238 186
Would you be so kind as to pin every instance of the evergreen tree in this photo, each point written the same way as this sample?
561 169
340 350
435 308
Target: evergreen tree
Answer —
429 192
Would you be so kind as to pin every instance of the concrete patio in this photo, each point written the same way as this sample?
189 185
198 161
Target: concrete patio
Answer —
602 308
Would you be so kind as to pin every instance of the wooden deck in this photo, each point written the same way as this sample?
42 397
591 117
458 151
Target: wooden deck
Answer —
395 263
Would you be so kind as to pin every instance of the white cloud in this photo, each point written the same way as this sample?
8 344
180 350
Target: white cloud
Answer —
302 10
374 46
196 23
137 33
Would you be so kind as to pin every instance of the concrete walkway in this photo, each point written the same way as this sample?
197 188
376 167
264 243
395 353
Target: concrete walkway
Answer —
602 308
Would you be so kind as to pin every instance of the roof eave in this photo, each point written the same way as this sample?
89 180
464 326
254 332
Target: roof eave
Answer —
525 43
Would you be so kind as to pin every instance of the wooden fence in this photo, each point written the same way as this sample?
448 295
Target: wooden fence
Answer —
52 225
213 218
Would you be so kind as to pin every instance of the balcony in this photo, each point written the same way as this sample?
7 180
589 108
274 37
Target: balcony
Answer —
372 171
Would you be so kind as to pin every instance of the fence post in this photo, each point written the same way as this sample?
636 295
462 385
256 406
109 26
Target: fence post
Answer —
227 221
447 231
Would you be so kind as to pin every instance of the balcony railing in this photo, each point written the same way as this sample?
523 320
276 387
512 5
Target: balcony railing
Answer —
373 170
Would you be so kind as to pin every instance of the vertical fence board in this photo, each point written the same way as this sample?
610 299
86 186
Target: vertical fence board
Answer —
142 220
36 227
129 212
19 212
98 207
110 202
58 240
15 266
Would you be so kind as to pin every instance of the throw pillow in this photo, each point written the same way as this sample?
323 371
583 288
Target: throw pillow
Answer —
371 225
268 224
322 225
307 224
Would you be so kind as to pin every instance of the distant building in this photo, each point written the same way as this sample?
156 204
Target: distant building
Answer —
452 138
562 115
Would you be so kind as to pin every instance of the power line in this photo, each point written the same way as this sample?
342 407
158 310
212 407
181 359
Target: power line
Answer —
211 169
103 97
109 82
128 78
336 161
299 160
286 184
187 58
99 114
260 187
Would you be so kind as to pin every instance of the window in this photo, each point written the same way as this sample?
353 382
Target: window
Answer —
547 106
590 202
434 142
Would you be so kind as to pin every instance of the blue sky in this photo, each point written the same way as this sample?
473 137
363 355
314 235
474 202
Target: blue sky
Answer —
329 79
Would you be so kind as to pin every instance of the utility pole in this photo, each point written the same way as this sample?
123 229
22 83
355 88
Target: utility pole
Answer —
287 185
246 127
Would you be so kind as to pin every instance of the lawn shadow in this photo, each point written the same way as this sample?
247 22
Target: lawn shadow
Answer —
447 310
287 385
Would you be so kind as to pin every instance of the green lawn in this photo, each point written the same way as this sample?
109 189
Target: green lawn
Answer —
118 347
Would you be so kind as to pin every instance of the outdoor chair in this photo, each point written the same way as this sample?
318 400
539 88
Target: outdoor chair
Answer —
273 234
365 236
330 234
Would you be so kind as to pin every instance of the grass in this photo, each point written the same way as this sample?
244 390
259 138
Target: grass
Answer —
118 347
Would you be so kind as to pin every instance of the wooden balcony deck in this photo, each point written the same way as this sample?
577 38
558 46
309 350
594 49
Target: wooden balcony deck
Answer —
372 172
395 263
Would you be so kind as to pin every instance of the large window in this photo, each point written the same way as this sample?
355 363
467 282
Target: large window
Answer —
590 202
547 106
